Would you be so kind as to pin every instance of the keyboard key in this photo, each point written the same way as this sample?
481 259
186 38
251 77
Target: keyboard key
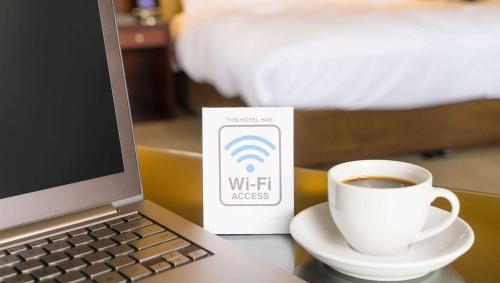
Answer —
72 264
102 244
38 243
46 273
6 272
96 257
97 227
135 272
58 238
132 217
81 231
114 222
30 265
160 249
24 278
134 224
32 253
103 233
160 266
121 262
80 240
111 277
9 260
57 246
153 240
149 230
179 261
96 270
125 237
73 276
80 251
120 250
17 249
172 255
197 254
54 258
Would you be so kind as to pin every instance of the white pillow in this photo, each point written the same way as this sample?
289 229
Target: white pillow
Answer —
189 5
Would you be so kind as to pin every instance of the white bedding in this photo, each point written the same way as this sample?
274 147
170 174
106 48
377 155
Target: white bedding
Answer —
349 54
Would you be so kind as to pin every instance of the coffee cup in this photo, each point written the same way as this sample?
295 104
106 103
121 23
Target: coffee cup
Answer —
381 206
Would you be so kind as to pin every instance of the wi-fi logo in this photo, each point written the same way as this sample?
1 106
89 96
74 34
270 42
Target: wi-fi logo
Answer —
250 153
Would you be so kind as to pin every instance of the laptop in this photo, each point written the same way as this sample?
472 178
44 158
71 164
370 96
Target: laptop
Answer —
71 204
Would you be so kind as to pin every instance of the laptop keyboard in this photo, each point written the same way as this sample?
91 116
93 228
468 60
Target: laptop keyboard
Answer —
120 250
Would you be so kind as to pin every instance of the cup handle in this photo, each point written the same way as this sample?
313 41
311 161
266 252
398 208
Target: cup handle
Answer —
455 208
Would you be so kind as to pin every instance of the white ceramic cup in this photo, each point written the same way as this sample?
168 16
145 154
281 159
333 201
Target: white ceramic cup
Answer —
378 221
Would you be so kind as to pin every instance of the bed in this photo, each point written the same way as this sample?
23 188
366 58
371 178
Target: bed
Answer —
367 78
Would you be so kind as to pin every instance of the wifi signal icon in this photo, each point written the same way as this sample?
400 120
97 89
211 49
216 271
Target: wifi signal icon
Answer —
250 152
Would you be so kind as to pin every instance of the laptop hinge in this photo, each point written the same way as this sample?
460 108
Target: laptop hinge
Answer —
42 226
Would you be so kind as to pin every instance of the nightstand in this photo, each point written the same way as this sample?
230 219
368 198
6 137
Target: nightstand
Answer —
147 64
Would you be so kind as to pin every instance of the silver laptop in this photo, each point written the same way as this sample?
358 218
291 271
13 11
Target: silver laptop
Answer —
71 204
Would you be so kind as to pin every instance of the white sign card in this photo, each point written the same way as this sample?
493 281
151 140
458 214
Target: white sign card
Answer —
248 170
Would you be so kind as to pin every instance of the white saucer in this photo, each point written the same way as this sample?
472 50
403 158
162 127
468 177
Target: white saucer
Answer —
316 232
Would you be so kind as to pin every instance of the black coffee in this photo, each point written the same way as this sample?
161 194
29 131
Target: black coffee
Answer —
376 182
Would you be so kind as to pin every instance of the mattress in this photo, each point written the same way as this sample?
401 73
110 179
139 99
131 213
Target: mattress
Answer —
350 55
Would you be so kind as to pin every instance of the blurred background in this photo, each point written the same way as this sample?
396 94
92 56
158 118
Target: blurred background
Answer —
410 80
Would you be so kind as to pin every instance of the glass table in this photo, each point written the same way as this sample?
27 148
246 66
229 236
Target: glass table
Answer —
281 251
173 179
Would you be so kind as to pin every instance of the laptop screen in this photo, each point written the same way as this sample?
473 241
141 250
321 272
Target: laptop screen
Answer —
57 117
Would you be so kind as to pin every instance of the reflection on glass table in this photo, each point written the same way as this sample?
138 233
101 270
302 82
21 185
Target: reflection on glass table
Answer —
281 251
315 271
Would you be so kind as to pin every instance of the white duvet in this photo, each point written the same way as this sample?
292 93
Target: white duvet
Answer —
314 54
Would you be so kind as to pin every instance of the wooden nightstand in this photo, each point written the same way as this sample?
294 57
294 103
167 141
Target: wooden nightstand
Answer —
147 63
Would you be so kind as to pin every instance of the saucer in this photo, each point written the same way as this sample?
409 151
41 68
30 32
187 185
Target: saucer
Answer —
316 232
